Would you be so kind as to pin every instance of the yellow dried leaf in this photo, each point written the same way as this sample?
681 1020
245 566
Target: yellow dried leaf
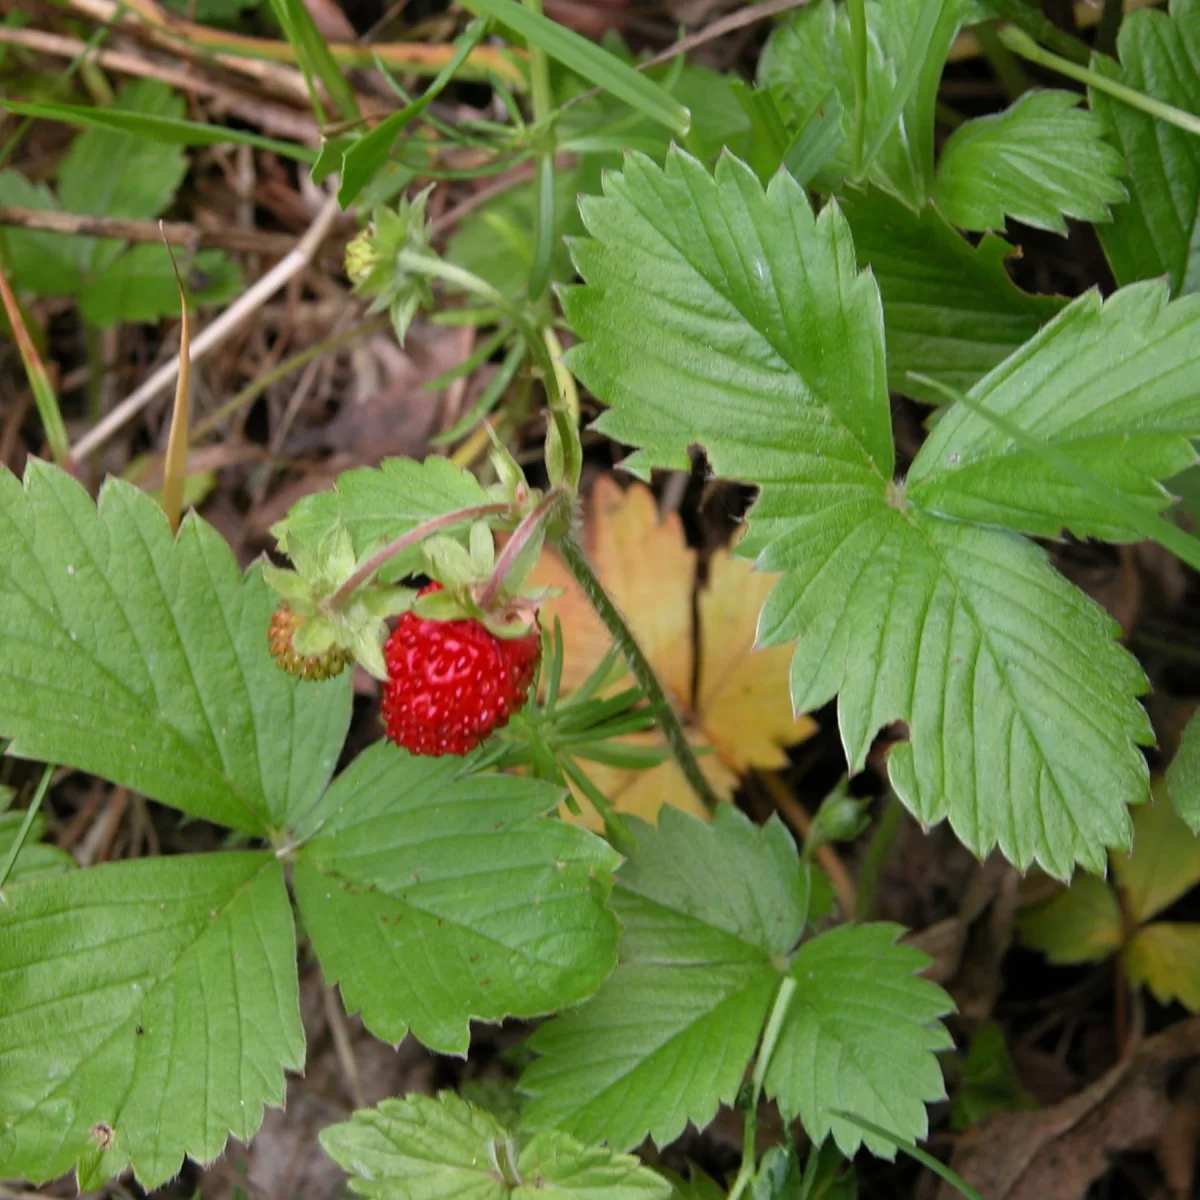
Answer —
1166 957
743 707
744 703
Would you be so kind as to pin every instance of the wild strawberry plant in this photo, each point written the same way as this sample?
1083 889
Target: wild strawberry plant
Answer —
756 304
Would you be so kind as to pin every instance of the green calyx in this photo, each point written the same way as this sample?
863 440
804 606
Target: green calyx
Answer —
373 261
357 627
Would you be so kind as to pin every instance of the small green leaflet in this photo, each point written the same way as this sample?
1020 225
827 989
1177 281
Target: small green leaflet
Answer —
711 914
860 1036
950 310
1079 924
140 285
1158 232
379 504
1038 161
149 1010
442 1148
705 908
763 344
1183 775
46 264
434 896
809 55
143 659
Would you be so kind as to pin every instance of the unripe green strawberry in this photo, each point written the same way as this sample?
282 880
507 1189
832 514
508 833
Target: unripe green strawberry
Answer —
281 637
453 683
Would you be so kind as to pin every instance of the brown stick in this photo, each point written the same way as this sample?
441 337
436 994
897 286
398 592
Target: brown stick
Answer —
175 233
272 118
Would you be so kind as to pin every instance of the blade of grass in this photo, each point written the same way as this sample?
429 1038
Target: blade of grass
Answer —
915 1152
933 14
544 145
27 824
175 464
1021 43
35 372
589 60
315 58
369 153
168 130
1183 545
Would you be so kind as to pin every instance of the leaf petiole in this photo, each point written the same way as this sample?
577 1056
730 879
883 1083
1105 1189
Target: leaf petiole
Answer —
1021 43
27 824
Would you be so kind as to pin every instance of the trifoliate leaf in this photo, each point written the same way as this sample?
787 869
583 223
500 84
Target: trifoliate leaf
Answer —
1038 161
46 264
1165 862
860 1035
745 327
1113 385
35 858
809 55
434 897
1079 924
708 911
379 504
740 706
140 286
1183 775
148 1012
1158 231
143 658
1165 957
426 1148
950 310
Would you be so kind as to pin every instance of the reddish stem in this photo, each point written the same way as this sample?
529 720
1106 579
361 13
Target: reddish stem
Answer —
515 544
404 541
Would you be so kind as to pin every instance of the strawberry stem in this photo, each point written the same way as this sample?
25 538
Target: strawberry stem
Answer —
404 541
515 544
643 672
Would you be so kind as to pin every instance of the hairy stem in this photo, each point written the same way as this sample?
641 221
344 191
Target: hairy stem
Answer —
30 813
404 541
515 544
643 672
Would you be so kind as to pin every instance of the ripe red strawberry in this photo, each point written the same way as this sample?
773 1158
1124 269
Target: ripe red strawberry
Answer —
451 683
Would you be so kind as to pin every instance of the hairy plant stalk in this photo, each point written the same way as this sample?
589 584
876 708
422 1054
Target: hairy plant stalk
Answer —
643 672
406 540
515 544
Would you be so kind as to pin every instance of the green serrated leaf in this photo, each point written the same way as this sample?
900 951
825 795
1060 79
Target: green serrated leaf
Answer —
426 1147
705 909
143 658
810 54
1165 957
950 310
434 897
379 504
46 264
115 173
1165 862
1158 232
1114 385
1038 161
860 1036
149 1010
1183 775
746 328
140 286
1079 924
35 859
